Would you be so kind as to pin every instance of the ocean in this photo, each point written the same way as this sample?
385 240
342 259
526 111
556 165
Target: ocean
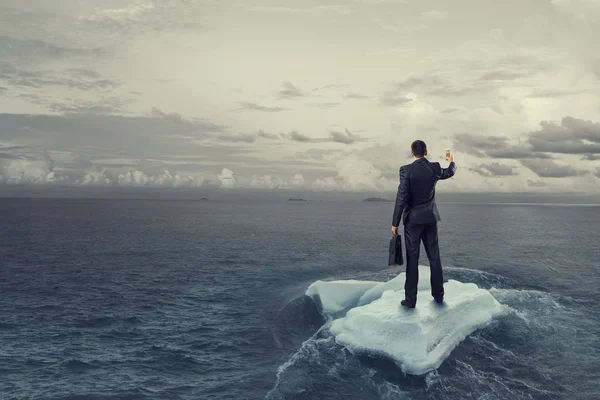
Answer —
166 299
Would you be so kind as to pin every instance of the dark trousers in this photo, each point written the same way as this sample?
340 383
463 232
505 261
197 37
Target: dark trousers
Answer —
413 235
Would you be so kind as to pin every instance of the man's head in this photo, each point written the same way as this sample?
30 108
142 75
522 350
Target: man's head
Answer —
418 149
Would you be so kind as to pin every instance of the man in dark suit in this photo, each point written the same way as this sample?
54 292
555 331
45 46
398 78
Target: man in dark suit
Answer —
415 203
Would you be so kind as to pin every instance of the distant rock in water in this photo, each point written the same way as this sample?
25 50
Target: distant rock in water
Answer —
292 199
377 199
204 199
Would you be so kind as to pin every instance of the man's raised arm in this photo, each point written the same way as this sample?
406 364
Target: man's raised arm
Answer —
448 172
401 197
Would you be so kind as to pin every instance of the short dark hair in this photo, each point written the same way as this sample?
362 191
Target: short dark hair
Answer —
418 148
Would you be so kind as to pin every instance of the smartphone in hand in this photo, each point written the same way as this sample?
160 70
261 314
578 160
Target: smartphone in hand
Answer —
448 155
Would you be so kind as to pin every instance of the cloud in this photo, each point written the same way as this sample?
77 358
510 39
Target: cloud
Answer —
346 137
392 50
494 147
107 135
478 144
572 136
146 17
73 79
112 105
554 93
494 169
549 169
138 178
289 91
517 153
355 174
532 183
584 14
227 178
392 99
330 86
268 135
237 137
324 105
34 51
378 2
298 137
256 107
337 9
433 15
591 157
174 117
357 96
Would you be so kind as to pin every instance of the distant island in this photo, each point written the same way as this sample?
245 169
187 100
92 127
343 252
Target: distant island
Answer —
292 199
204 199
377 199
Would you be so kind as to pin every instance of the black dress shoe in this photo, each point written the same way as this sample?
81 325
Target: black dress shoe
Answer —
405 304
439 300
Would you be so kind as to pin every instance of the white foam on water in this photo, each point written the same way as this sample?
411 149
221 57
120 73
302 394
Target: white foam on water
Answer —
337 296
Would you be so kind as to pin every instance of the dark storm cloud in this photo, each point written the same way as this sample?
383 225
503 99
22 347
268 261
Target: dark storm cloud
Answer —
549 169
257 107
290 91
494 169
572 136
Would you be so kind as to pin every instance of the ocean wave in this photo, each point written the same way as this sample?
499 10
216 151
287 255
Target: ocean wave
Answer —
537 350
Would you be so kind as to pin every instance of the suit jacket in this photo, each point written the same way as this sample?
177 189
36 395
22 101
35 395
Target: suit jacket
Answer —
415 201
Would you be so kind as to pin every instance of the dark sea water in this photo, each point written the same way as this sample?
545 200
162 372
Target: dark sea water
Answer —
142 299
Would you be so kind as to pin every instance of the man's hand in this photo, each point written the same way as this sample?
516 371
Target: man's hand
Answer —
450 158
394 230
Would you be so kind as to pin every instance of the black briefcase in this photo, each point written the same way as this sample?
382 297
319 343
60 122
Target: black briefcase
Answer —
396 251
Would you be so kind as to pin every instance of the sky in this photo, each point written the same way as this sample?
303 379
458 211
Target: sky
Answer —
302 95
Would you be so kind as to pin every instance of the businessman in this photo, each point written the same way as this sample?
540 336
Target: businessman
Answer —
415 203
